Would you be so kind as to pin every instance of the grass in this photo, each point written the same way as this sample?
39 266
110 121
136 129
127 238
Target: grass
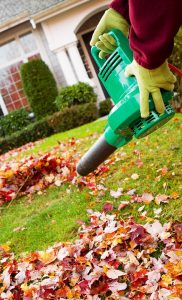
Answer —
78 133
36 222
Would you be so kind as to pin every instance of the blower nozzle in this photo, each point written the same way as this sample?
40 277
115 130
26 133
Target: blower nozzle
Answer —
97 154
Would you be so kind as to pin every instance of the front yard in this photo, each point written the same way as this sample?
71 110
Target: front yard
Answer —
140 182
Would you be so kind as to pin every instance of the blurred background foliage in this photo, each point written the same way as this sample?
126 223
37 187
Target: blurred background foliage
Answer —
176 60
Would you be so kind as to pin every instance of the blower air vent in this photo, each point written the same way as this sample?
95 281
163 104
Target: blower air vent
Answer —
143 127
169 109
112 62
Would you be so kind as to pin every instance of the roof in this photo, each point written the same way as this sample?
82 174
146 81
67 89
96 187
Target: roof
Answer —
15 12
12 8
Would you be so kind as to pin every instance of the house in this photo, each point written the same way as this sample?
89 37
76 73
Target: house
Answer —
57 31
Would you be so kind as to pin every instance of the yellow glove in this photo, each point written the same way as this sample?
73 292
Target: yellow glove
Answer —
150 82
103 41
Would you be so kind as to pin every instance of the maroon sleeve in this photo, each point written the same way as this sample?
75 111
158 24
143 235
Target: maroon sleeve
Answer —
122 7
153 27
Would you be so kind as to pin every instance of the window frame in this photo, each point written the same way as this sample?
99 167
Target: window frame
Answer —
23 56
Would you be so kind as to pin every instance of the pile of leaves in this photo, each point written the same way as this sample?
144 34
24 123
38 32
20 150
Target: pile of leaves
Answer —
35 173
112 259
16 152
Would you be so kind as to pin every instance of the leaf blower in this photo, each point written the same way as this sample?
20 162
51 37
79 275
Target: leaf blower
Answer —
124 120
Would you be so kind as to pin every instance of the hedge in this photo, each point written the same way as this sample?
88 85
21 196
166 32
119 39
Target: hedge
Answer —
73 117
105 107
60 121
14 121
31 133
40 87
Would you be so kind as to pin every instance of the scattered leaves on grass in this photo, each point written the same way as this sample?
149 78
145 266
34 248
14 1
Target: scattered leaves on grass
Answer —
112 259
35 173
16 152
116 194
135 176
107 207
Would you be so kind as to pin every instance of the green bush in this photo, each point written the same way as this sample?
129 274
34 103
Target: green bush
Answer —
176 60
105 107
14 121
59 121
73 117
76 94
31 133
40 87
176 56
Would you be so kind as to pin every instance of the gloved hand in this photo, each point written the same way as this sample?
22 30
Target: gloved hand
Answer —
103 41
150 82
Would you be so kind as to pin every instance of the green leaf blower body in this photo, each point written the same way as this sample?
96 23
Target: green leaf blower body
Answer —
124 120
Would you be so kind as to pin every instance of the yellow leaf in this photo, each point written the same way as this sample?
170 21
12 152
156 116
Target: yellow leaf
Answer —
178 252
105 269
174 269
174 195
8 173
149 220
70 295
167 279
47 257
5 247
133 244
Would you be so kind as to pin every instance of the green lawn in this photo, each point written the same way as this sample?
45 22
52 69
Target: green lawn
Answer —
36 222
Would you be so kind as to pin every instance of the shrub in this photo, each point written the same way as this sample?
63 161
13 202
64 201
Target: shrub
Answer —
1 131
73 117
59 121
104 107
76 94
176 60
176 56
14 121
31 133
40 87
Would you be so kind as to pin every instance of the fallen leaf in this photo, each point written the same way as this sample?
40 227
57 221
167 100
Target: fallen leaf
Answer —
157 212
17 229
161 199
107 207
147 197
114 274
141 208
123 204
174 195
116 194
135 176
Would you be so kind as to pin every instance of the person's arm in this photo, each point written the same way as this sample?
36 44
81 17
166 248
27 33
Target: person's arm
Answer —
153 27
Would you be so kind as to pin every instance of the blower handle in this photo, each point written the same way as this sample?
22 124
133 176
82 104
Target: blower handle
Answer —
121 41
98 153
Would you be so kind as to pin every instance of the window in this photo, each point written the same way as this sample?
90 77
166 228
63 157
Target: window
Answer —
9 51
28 43
12 54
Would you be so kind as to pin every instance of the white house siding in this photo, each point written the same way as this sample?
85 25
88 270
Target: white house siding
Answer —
53 60
61 33
60 43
